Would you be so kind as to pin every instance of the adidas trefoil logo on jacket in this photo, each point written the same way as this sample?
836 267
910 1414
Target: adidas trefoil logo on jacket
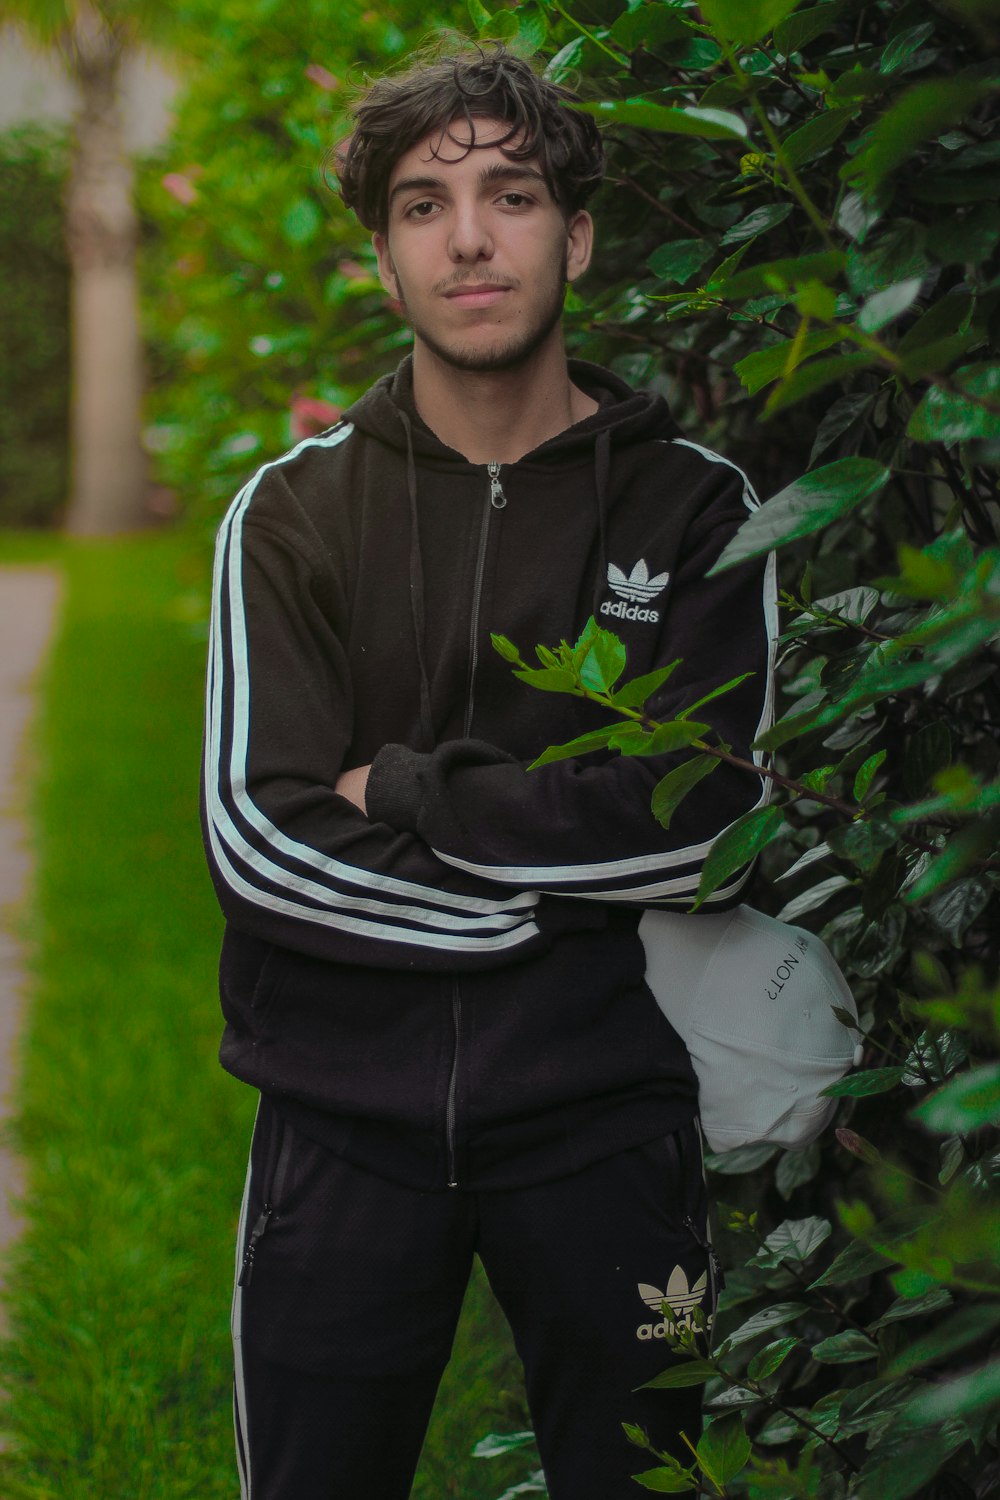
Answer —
634 593
679 1296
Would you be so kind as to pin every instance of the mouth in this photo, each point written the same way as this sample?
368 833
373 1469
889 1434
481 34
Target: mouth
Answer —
484 294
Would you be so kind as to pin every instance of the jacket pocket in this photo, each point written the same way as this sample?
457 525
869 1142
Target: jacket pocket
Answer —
276 1164
267 987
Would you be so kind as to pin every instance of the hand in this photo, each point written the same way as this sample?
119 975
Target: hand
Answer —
352 785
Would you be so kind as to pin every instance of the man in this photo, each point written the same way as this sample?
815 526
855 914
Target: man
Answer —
431 970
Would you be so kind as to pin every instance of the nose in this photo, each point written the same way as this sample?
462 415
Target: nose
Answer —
470 238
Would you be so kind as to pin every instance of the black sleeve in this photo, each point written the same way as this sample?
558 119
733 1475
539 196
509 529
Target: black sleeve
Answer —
293 862
584 827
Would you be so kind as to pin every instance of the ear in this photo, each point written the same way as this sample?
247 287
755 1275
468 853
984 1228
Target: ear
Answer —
386 269
580 243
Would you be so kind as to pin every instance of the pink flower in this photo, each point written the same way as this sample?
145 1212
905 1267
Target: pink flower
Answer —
180 187
310 415
321 77
352 270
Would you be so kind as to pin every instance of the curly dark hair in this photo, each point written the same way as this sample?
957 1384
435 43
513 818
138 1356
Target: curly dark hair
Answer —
476 82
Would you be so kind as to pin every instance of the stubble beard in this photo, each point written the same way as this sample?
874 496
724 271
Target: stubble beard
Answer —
506 354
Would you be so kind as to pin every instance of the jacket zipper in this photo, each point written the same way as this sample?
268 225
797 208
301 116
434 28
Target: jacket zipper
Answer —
272 1195
498 500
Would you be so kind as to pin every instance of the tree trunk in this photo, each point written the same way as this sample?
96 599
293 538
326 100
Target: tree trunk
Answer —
108 463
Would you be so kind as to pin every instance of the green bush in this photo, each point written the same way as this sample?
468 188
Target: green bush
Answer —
802 250
34 360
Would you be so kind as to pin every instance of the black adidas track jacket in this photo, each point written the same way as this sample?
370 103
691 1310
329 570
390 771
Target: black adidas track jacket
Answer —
451 989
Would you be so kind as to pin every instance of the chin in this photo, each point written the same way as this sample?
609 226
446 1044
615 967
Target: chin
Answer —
498 355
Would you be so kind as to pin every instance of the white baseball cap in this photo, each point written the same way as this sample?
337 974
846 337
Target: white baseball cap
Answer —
753 1000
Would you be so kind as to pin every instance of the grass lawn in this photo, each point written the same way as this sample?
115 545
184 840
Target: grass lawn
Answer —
117 1366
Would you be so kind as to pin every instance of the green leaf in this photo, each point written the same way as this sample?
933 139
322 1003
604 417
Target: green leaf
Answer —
861 1085
675 734
549 679
740 1160
905 1460
503 26
604 662
566 60
768 1359
854 1263
678 260
637 692
301 222
863 842
903 46
794 33
584 744
745 21
954 910
737 845
847 1348
532 31
816 376
707 124
913 1307
966 1102
804 507
716 692
665 1481
691 1372
760 368
774 275
816 135
970 1393
845 412
886 306
481 18
809 900
963 850
794 1239
674 787
949 417
922 113
650 26
866 774
496 1443
966 1327
763 1322
757 222
796 1168
724 1448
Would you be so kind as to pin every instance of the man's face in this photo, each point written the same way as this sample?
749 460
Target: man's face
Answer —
477 251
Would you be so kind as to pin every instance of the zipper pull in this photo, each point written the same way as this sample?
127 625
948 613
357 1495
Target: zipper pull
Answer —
497 497
246 1270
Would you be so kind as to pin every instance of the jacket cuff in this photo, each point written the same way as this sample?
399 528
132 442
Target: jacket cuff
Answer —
393 791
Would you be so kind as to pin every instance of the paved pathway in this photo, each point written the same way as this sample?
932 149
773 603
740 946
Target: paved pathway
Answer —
28 598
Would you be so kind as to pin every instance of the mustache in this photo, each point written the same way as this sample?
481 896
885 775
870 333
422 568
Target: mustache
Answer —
476 278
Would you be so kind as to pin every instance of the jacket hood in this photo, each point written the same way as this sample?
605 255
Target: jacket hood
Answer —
387 409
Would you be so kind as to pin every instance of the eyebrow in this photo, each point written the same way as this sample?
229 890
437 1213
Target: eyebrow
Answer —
495 172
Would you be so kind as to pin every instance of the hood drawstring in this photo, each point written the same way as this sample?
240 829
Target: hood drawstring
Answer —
417 588
602 471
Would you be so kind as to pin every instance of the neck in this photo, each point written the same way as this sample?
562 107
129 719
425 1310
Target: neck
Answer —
498 415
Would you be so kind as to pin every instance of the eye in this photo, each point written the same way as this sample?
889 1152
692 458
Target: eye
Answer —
515 200
422 210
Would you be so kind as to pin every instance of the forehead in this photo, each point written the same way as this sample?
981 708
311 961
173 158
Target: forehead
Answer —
446 154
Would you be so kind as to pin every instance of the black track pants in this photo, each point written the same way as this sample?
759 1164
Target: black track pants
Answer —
352 1287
